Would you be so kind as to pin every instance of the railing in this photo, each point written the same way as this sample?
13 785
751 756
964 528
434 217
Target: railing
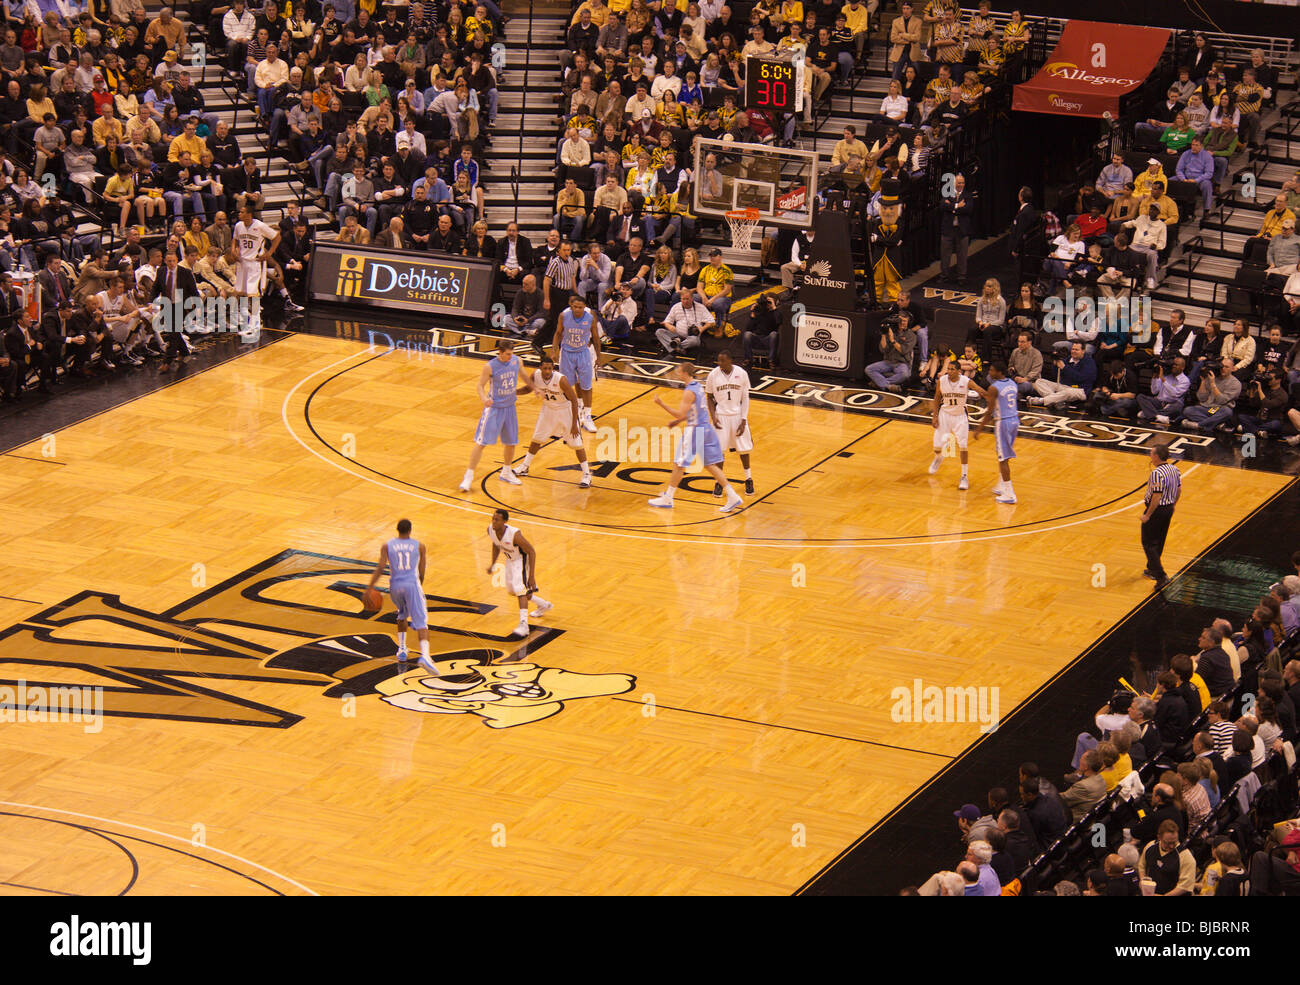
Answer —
518 167
514 188
1290 114
1191 252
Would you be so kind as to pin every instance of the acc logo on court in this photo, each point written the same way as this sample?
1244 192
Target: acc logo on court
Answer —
293 619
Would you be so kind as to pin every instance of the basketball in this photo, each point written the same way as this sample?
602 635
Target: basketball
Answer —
371 600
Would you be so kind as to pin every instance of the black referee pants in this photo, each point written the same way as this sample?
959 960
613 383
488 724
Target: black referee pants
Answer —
1154 532
559 301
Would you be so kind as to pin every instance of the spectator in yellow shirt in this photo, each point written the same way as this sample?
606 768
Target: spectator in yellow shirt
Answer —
1274 217
857 18
1156 196
1114 764
1154 172
716 281
599 12
849 145
187 140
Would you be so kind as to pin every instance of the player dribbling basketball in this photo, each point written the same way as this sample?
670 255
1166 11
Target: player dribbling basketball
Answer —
558 418
520 564
404 556
951 426
727 387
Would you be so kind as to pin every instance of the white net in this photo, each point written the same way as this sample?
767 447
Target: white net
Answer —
742 224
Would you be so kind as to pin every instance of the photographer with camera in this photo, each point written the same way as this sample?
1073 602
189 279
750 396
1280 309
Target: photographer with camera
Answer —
764 330
686 320
1267 401
1168 391
897 342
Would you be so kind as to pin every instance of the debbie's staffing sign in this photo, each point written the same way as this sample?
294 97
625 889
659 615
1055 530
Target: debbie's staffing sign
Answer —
421 283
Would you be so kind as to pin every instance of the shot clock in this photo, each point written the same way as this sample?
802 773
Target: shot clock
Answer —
771 86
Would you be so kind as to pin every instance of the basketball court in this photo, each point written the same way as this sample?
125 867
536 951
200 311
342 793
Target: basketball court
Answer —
709 708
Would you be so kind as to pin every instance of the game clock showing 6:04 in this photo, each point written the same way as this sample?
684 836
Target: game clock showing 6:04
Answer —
770 85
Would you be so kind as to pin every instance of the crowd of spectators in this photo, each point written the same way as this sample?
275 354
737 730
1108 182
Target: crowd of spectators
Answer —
1083 334
1191 775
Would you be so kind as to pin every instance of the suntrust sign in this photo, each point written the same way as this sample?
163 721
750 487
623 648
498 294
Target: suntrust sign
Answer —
425 283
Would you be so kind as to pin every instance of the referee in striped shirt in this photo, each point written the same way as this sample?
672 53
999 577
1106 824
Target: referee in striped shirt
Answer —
1163 488
559 284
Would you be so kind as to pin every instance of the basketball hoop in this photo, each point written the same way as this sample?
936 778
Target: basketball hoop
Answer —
742 222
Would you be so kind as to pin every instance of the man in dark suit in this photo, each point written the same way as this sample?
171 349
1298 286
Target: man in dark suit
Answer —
171 287
294 253
954 230
445 239
514 256
89 338
55 286
1024 223
629 224
25 350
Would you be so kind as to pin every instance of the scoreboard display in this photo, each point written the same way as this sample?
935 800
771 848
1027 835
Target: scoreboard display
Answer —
771 86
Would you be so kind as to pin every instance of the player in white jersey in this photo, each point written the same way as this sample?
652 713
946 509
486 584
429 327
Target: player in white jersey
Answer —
520 564
254 243
559 417
727 387
951 426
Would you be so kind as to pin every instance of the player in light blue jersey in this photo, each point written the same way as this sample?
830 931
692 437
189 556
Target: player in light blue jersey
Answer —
698 438
576 348
1006 421
404 556
498 385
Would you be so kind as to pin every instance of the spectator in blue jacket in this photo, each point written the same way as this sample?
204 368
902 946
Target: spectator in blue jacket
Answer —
1197 164
1075 379
1168 391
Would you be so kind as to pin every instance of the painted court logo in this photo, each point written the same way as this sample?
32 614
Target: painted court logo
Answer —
295 619
501 695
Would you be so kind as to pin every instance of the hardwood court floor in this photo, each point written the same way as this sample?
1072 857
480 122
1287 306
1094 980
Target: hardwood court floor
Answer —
709 713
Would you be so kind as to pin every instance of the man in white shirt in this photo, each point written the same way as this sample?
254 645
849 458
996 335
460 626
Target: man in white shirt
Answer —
669 81
686 320
758 46
727 388
799 252
1149 237
594 274
272 72
412 138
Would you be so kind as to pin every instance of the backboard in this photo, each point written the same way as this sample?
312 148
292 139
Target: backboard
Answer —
780 182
